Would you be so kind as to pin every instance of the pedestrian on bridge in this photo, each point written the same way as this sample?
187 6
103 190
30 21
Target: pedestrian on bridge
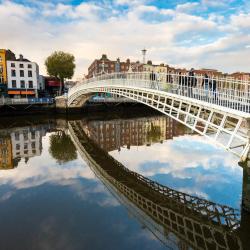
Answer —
192 81
206 85
169 78
213 84
152 77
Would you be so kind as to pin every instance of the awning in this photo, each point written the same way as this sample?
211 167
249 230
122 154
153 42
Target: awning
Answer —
53 83
28 92
14 92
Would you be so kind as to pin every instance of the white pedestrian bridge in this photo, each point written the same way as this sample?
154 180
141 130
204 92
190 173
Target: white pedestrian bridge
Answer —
217 108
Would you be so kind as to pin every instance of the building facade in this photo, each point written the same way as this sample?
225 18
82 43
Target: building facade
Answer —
105 65
114 134
6 160
4 56
23 78
157 68
27 142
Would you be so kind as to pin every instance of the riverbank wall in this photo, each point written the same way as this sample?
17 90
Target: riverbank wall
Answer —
20 110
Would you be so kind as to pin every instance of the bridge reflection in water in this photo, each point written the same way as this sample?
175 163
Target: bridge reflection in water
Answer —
179 220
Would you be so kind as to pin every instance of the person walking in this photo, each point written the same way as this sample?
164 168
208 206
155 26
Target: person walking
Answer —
206 85
153 79
191 82
214 88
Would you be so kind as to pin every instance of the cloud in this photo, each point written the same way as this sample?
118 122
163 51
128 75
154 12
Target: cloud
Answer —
241 21
187 7
215 3
188 164
130 2
92 28
85 11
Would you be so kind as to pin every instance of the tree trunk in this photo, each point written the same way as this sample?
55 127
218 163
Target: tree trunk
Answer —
60 89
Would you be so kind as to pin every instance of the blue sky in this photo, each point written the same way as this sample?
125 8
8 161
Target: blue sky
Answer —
195 33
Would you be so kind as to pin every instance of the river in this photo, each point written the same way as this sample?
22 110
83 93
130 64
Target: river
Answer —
123 181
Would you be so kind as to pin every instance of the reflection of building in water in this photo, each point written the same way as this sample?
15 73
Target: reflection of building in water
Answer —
27 141
113 134
21 142
180 221
6 160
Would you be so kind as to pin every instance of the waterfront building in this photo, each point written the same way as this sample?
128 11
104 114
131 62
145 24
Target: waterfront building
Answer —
105 65
6 158
52 85
27 141
23 77
157 68
41 83
4 56
115 134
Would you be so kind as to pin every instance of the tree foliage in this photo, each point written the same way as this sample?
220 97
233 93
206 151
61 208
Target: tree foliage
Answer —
154 134
62 148
61 65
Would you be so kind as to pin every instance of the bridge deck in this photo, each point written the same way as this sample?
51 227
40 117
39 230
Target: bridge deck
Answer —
222 115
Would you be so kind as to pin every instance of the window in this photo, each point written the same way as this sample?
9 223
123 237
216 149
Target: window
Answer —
13 83
1 69
17 137
33 135
21 65
21 73
30 84
25 146
12 64
22 84
29 73
29 66
33 144
17 146
13 72
25 136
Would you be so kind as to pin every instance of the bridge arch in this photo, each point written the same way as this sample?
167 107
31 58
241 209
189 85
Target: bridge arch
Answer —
227 127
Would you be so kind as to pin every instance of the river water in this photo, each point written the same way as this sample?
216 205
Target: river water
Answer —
126 181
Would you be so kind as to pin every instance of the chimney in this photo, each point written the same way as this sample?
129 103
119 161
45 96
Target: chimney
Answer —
21 57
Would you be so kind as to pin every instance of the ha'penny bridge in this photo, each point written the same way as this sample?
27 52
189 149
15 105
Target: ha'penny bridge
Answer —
216 108
177 219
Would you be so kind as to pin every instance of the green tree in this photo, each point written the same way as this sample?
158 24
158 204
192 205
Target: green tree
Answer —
154 134
61 65
62 148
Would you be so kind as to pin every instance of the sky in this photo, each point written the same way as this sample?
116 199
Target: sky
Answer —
195 33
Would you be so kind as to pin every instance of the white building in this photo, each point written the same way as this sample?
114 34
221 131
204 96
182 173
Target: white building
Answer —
27 142
23 78
41 83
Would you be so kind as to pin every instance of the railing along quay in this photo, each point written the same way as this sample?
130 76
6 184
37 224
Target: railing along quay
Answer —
24 101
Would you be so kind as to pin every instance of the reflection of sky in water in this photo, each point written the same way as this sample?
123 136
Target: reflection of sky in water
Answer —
191 165
44 205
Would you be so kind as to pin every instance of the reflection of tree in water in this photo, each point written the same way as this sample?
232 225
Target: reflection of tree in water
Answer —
154 134
62 148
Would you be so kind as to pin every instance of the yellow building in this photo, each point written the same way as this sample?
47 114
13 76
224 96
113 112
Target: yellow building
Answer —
6 159
4 56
